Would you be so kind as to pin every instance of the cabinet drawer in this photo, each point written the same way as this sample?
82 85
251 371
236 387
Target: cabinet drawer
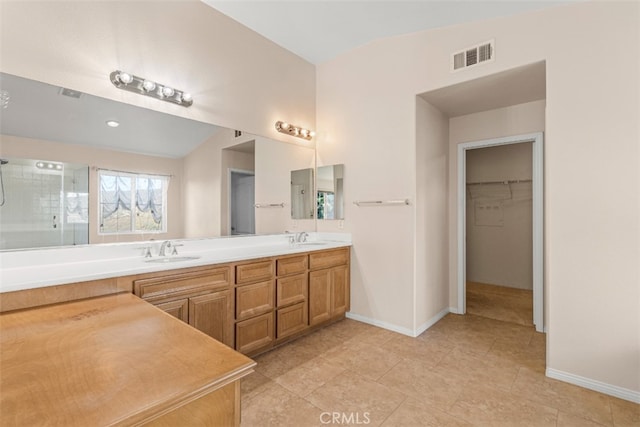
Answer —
171 286
254 272
254 299
255 333
292 265
290 290
326 259
291 320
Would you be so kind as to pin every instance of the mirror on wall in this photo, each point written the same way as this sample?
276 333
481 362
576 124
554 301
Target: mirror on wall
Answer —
330 192
302 194
203 197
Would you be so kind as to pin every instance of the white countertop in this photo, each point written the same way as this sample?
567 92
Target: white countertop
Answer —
28 269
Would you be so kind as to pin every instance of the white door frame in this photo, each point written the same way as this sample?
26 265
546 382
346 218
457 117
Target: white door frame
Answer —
538 218
231 171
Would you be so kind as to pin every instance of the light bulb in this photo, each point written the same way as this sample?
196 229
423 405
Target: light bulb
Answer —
50 166
167 91
148 85
125 78
59 167
40 165
304 133
112 123
312 134
186 97
284 126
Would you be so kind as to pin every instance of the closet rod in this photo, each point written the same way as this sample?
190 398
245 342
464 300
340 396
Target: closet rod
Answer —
511 181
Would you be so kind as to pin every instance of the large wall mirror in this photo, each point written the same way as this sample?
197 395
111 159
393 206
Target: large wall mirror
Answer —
125 173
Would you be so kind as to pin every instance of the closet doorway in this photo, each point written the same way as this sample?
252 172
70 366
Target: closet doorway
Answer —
492 206
242 190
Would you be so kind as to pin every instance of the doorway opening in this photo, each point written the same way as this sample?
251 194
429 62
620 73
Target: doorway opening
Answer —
488 210
242 218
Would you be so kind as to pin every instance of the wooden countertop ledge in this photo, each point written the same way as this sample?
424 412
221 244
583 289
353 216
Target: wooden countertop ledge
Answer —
113 360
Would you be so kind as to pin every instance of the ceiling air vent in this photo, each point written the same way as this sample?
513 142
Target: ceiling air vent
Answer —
484 52
69 92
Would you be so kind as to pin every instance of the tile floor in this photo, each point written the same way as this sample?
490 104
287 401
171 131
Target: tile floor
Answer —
465 370
500 303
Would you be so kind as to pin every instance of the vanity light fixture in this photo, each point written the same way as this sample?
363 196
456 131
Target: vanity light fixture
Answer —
49 165
143 86
290 129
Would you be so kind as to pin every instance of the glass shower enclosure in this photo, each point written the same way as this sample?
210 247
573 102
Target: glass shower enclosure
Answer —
43 203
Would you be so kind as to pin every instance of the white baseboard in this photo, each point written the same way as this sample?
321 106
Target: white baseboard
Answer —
429 323
453 310
599 386
399 329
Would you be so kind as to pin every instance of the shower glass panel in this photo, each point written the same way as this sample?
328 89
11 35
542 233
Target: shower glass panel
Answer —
46 204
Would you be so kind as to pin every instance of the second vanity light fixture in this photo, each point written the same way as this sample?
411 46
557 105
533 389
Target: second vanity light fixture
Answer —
290 129
136 84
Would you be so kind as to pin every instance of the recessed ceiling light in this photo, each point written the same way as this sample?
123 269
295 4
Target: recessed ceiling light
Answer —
112 123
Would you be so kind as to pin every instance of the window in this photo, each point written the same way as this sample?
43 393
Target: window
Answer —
132 203
326 202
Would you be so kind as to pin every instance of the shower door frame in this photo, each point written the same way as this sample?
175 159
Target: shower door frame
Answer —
537 140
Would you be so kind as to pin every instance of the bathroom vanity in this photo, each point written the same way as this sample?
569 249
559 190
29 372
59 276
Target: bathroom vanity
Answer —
116 347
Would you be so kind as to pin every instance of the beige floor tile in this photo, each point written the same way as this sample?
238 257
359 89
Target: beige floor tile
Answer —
253 384
500 303
282 359
277 406
486 369
529 356
419 349
307 377
348 328
566 397
363 358
625 413
320 341
353 394
413 412
483 405
570 420
416 379
376 336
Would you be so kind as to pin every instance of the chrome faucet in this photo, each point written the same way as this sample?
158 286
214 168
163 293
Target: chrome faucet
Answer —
302 236
163 248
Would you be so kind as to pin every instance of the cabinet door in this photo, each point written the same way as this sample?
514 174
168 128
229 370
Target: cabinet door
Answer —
178 308
254 334
213 315
291 319
339 290
319 296
255 299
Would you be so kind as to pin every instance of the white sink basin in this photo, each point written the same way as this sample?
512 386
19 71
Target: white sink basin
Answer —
312 243
169 259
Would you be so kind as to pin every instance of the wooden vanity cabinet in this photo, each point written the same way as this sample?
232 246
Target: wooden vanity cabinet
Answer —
255 304
292 314
201 297
329 291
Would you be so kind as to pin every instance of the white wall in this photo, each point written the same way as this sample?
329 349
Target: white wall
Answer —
238 79
499 216
366 120
274 163
432 220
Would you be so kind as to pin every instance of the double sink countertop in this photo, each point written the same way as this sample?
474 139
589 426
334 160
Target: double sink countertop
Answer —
28 269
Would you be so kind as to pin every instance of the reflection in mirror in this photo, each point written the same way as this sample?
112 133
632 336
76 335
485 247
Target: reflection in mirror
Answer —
42 121
330 193
43 203
302 194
